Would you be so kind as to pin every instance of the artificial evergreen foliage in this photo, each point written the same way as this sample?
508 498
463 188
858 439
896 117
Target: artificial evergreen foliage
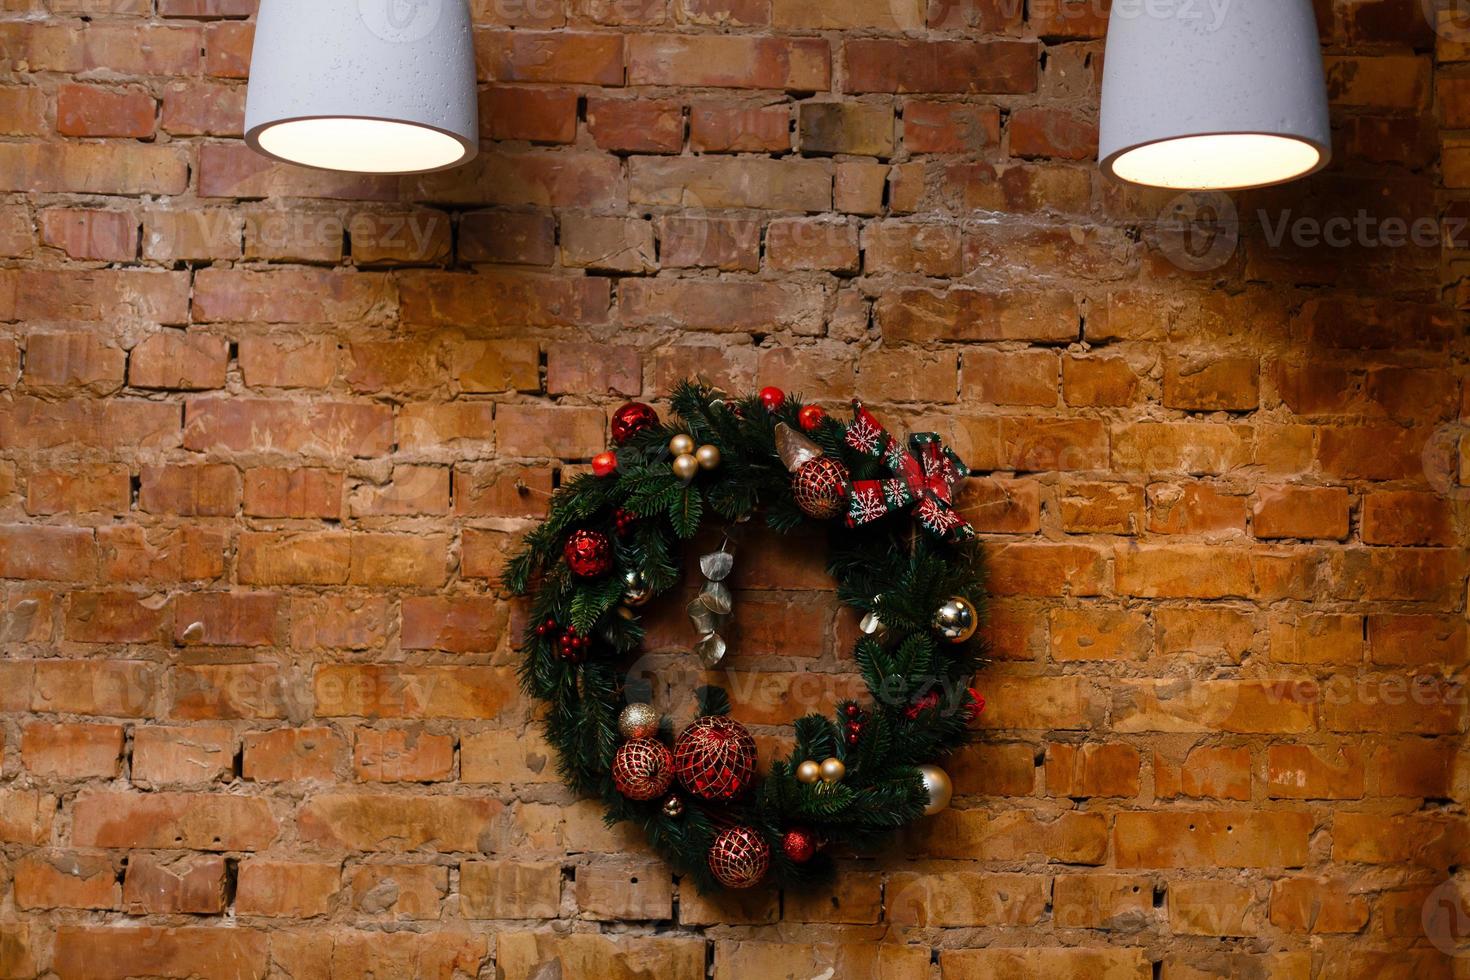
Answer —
921 705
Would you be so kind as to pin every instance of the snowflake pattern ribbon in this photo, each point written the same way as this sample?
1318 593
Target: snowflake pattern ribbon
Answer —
926 474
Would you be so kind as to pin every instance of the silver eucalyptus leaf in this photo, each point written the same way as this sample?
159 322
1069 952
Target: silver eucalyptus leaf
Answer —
704 618
718 598
711 650
717 565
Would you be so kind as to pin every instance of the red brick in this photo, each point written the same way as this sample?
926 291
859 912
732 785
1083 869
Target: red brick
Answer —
608 243
226 619
280 888
72 751
194 884
491 298
1098 381
1406 518
1215 839
103 236
197 821
538 115
1001 67
375 822
949 127
87 110
728 244
533 56
707 182
396 755
811 244
636 125
96 488
62 880
62 361
116 952
724 306
1212 384
1018 378
309 428
93 168
509 238
739 13
179 361
291 754
727 127
23 109
1195 508
295 492
1300 512
288 361
1092 769
730 61
422 692
901 247
1304 772
203 108
115 617
1052 133
297 296
193 756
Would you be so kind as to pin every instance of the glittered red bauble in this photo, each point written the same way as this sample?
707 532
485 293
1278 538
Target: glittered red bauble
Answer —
643 768
772 398
630 420
739 857
820 487
588 554
605 464
811 417
799 844
715 758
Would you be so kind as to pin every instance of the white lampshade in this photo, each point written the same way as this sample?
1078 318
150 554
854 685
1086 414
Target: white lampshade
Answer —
368 86
1196 98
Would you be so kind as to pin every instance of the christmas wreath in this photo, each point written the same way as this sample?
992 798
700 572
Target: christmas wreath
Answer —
901 555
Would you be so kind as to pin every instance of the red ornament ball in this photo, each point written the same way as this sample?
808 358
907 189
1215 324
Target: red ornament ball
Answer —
820 487
643 768
772 398
630 420
715 758
811 417
739 857
588 553
799 844
605 464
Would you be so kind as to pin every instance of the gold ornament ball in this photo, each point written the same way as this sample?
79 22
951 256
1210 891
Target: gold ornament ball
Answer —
939 788
685 467
957 620
673 808
808 772
708 457
635 588
833 770
638 720
681 445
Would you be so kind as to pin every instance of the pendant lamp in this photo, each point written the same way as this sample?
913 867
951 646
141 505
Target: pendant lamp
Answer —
1213 96
366 86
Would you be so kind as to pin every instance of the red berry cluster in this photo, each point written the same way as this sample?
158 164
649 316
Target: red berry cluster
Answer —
856 719
623 521
572 645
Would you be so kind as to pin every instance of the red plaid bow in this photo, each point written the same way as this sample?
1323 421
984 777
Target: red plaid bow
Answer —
925 475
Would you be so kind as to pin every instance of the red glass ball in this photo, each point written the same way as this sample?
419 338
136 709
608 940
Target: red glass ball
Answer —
605 464
588 554
820 488
799 844
739 857
715 758
643 768
811 416
630 420
772 398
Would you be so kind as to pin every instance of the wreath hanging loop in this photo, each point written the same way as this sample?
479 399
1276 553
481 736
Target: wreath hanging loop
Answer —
611 544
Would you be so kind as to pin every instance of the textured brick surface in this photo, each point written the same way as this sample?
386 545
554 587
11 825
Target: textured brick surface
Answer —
267 435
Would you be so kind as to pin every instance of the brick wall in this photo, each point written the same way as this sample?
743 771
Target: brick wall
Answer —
266 434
